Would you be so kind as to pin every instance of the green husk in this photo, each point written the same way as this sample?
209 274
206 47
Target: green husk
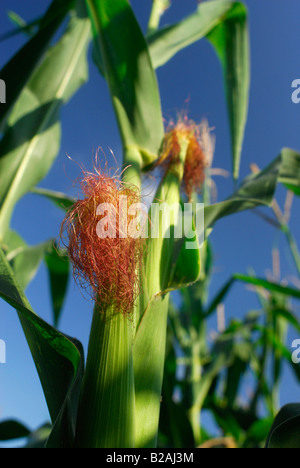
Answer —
106 409
150 339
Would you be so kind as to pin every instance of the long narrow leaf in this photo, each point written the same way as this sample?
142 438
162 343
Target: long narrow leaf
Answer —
150 339
285 431
290 170
15 76
11 429
60 199
231 42
26 260
31 142
274 287
58 266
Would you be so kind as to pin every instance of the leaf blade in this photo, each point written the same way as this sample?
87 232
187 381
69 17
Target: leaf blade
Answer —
168 41
30 54
231 42
224 24
256 190
290 170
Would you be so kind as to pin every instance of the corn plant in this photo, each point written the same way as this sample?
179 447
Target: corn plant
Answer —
247 354
112 397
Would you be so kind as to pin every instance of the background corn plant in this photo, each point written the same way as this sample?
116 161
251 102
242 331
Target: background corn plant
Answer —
200 375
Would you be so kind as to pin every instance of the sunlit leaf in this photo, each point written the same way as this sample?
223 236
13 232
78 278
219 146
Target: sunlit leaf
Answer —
60 199
15 76
169 40
58 359
11 429
271 286
224 23
32 139
285 432
124 54
231 41
106 411
290 170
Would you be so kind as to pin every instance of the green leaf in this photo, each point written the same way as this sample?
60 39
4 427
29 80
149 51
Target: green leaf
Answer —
232 350
288 316
259 430
168 41
59 271
285 431
31 141
222 355
233 379
148 359
219 297
173 423
158 9
186 261
10 430
58 359
106 411
151 319
231 42
63 201
259 282
25 261
130 76
22 27
16 76
164 224
39 437
224 24
256 190
275 287
290 170
187 267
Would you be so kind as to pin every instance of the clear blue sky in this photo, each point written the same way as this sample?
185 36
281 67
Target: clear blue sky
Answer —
240 242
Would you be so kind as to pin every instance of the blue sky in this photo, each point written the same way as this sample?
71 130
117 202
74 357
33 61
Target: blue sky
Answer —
239 242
